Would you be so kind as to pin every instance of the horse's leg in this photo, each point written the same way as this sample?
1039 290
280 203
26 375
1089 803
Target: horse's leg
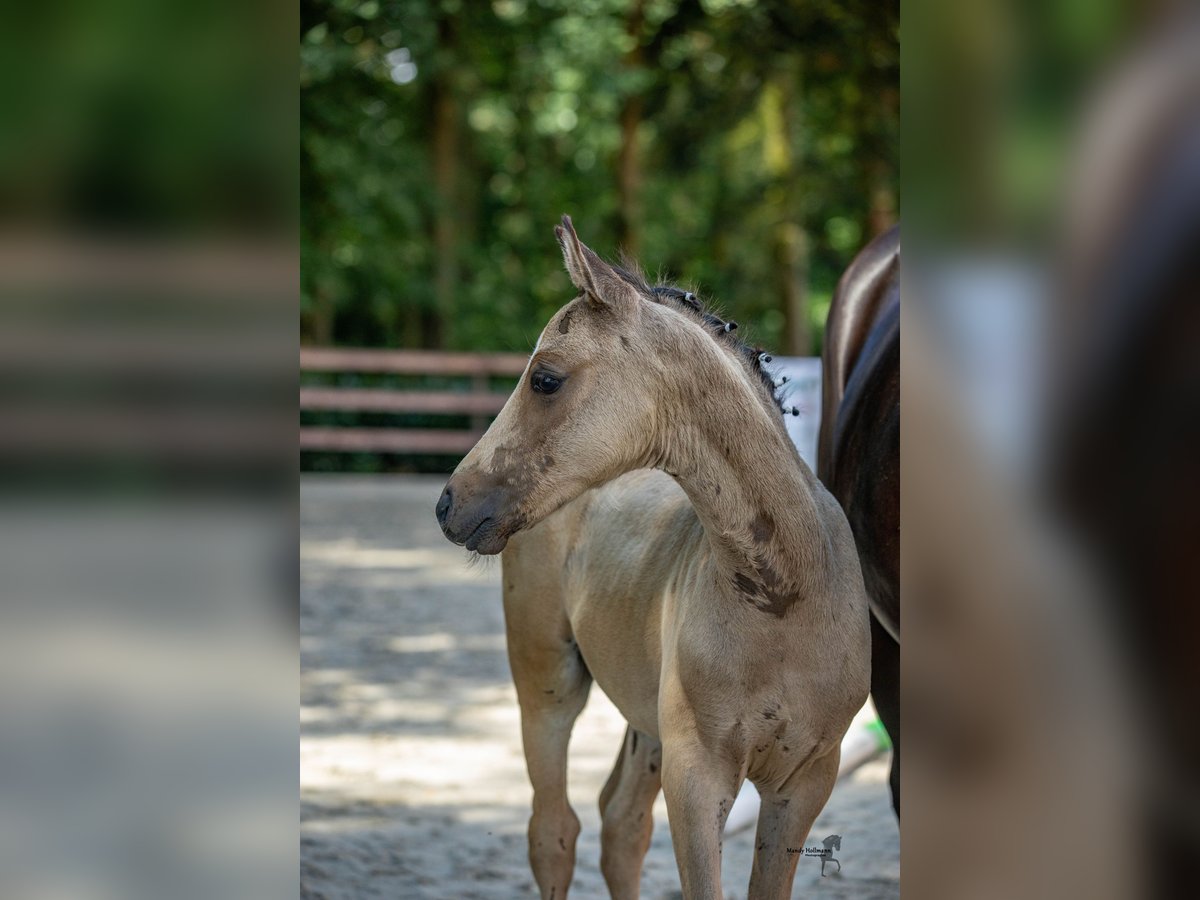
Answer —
885 694
700 786
625 808
551 694
784 820
552 684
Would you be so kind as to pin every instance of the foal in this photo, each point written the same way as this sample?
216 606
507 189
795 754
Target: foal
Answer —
719 605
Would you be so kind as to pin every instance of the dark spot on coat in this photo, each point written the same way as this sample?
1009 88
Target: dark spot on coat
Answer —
653 767
633 743
762 529
770 713
746 586
564 324
562 843
768 592
625 343
770 578
548 691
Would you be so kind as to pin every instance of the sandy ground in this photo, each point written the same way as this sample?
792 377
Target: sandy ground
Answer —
412 780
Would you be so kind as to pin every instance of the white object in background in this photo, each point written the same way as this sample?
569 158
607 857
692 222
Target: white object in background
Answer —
865 740
803 391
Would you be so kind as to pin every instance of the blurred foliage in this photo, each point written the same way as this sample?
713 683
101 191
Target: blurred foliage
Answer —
440 143
992 98
130 117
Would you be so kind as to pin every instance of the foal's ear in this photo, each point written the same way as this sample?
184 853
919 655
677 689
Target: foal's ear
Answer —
589 273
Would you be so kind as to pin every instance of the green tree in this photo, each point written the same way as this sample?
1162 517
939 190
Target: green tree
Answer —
749 148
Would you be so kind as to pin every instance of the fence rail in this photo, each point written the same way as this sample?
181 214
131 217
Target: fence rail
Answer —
479 402
410 362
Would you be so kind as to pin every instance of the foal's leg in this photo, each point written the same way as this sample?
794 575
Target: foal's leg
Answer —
784 820
700 786
553 826
625 808
552 684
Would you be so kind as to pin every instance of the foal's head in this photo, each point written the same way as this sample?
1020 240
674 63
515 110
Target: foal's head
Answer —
609 373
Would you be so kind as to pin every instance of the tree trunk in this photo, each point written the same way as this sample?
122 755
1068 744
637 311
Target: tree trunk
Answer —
789 244
629 173
435 323
791 266
882 214
321 318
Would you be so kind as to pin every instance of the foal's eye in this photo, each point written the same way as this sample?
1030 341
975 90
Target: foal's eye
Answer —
545 383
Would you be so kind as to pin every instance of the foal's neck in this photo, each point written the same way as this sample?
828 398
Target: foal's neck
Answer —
758 502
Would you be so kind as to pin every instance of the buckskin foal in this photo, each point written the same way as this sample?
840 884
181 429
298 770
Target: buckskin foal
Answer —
662 536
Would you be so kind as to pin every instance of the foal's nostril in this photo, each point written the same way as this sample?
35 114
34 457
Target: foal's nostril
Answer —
443 506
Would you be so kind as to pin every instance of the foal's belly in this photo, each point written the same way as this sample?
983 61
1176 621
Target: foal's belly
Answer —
624 664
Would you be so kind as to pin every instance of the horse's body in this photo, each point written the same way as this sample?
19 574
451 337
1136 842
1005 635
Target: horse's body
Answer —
859 450
719 602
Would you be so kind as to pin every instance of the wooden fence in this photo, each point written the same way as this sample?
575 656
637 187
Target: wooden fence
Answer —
477 400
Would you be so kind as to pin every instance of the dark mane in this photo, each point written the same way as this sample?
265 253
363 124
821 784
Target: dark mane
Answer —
721 330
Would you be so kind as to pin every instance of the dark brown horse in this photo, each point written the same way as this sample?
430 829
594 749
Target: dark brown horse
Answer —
858 455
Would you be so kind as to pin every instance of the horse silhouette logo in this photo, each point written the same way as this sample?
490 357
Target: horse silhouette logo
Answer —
831 843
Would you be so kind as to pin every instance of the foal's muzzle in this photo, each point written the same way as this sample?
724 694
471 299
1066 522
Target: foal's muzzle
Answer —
472 516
